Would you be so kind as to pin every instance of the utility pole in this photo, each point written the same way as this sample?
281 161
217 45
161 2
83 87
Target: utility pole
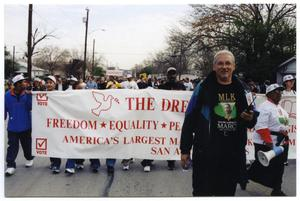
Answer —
29 53
85 42
93 61
13 60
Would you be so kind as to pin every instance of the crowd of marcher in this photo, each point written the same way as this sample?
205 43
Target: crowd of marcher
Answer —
215 125
102 82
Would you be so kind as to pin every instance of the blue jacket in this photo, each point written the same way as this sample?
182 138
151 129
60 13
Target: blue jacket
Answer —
19 111
91 85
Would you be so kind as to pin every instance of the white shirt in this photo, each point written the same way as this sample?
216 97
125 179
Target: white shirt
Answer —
69 88
60 87
289 93
129 85
273 117
188 86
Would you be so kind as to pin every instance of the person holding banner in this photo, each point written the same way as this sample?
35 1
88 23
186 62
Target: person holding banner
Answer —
170 84
71 163
288 83
219 158
54 162
94 162
18 105
271 131
73 81
128 84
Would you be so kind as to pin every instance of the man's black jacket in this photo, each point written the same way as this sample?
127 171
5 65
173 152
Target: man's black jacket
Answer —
197 131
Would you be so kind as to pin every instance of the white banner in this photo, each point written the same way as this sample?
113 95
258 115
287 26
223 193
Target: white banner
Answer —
119 123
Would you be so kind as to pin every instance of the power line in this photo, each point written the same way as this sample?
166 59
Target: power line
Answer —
45 19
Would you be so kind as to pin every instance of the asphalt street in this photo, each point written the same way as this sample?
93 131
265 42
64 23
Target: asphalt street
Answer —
38 181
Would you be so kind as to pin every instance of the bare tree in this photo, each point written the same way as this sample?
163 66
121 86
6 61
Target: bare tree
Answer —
50 57
76 54
260 35
180 50
37 39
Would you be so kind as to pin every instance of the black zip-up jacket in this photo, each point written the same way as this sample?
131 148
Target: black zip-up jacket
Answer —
197 131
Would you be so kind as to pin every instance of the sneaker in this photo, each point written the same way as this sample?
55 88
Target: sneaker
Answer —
286 163
95 169
125 166
70 170
110 170
51 166
278 193
147 168
55 170
79 166
29 163
10 171
126 163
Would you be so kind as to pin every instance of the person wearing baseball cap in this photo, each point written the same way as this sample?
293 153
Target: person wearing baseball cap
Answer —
130 83
37 84
73 81
170 69
170 84
18 105
288 83
271 130
18 78
274 87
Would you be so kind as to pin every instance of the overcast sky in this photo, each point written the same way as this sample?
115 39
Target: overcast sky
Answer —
132 32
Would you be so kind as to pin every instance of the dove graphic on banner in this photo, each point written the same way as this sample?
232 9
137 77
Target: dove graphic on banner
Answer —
104 102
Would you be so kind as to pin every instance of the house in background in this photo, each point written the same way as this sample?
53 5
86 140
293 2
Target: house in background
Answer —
35 71
286 68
